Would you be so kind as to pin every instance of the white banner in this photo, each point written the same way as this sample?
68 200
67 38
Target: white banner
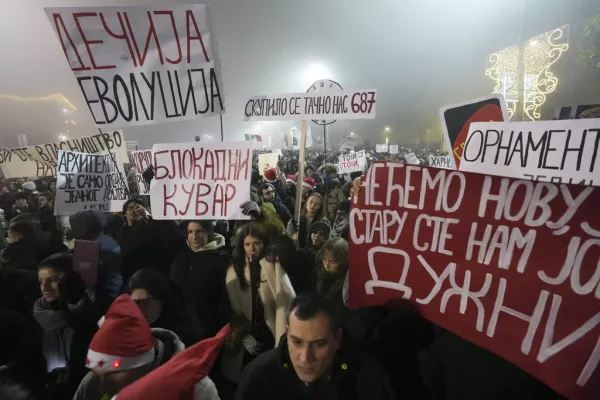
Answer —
565 151
393 149
440 162
141 160
296 136
89 182
345 104
41 160
352 162
132 146
142 65
411 158
201 181
348 143
267 161
381 148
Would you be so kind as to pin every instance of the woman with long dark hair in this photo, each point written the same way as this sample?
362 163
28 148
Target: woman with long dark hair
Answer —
314 210
259 292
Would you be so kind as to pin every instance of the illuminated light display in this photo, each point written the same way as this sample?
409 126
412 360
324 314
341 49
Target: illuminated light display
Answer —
57 97
539 54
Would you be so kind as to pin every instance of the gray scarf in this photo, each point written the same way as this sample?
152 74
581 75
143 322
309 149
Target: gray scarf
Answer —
56 342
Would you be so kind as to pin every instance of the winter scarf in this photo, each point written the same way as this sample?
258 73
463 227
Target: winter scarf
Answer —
58 335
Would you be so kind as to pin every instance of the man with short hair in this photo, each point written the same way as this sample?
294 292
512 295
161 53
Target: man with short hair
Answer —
314 360
46 213
267 194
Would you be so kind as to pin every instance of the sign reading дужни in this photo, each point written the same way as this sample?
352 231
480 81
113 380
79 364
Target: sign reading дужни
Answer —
142 64
552 151
345 104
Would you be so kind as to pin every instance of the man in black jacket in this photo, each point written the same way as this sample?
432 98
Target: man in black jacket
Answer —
315 360
199 271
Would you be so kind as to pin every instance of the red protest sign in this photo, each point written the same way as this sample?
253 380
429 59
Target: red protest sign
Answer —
511 265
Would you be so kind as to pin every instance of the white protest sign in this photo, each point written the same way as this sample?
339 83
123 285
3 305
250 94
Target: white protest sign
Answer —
132 146
393 149
345 104
411 158
267 161
381 148
41 160
352 162
564 151
142 65
89 182
141 160
348 143
440 162
201 181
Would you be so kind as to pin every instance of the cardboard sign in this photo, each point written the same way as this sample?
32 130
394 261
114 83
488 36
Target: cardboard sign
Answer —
510 265
89 182
411 158
41 160
352 162
142 65
132 146
393 149
86 256
141 160
344 104
267 161
200 181
440 162
295 134
348 143
381 148
457 118
555 151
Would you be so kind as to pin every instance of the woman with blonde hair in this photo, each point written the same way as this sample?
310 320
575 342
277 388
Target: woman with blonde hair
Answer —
259 292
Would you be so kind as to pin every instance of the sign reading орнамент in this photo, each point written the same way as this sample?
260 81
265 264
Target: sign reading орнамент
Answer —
142 64
510 265
345 104
552 151
201 181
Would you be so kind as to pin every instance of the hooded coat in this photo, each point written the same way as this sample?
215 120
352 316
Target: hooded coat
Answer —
355 376
200 275
89 225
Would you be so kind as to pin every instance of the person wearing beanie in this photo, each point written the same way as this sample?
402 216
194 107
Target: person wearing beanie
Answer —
182 377
341 223
272 177
304 274
125 350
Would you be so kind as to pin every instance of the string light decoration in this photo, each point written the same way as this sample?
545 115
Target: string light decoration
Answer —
539 54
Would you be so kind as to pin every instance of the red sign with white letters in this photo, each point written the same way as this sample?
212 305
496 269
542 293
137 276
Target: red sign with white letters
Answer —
511 265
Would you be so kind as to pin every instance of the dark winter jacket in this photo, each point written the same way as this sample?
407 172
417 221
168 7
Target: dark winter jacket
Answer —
304 274
89 225
151 244
355 376
200 275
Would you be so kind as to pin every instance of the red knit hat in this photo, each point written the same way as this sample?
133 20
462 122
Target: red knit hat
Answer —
177 379
270 175
309 183
124 340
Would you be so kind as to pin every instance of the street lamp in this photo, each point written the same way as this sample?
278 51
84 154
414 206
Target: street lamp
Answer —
387 140
387 128
351 133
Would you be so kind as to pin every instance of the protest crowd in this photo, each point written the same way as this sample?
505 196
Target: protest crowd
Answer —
277 282
233 270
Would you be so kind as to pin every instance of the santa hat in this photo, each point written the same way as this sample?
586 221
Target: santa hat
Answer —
270 175
124 340
177 379
309 183
291 179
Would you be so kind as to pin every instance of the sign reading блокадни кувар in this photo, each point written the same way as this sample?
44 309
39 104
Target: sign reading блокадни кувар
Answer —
509 264
564 151
142 64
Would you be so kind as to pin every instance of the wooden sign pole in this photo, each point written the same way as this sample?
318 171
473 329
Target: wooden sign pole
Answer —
300 176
